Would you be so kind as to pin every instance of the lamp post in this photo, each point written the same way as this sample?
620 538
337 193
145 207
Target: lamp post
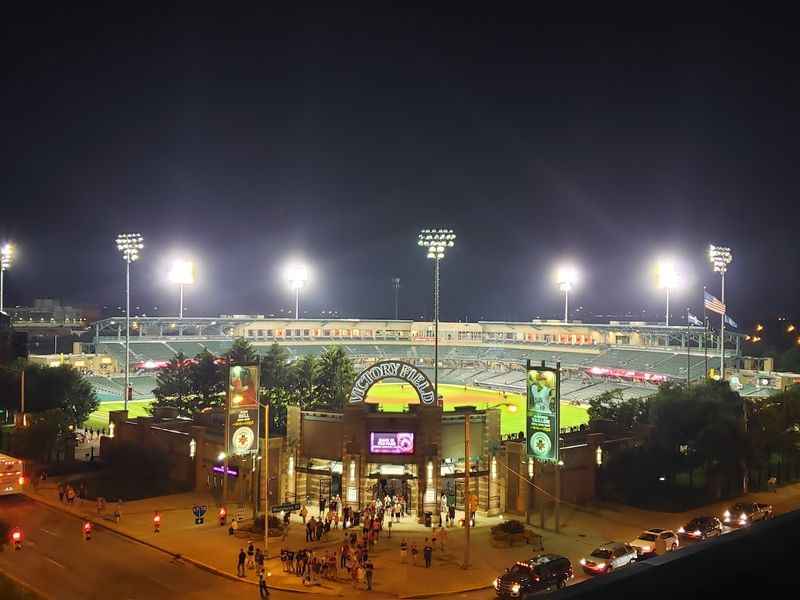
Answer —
129 245
6 258
668 279
181 272
297 275
436 241
566 277
720 257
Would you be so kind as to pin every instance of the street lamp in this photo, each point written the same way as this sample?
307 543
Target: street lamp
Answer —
720 257
435 241
181 272
129 245
566 277
6 258
297 275
668 278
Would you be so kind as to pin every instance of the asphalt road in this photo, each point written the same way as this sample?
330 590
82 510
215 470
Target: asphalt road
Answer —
57 561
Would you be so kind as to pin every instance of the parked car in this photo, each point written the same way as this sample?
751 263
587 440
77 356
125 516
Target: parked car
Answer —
655 541
539 574
609 556
701 528
743 514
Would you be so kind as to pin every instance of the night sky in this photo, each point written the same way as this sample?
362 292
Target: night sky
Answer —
248 140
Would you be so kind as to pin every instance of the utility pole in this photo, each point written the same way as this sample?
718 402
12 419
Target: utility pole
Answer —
266 480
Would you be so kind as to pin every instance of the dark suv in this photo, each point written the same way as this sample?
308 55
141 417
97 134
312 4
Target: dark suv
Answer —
701 528
542 573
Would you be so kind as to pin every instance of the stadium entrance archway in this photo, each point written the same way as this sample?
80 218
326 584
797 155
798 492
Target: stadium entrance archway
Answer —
393 369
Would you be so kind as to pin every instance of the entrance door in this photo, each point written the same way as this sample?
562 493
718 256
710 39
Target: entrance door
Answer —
325 488
450 491
336 484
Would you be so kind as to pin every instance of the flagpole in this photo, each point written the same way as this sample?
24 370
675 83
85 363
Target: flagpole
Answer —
722 333
688 360
705 334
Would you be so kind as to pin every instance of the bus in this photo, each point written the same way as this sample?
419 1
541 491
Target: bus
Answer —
11 476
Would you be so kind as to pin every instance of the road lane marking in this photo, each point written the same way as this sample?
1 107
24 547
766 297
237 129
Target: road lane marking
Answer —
55 562
47 531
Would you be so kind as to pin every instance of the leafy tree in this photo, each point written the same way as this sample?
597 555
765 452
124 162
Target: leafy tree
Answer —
275 384
303 378
241 352
45 437
613 406
334 378
207 383
48 388
174 386
789 361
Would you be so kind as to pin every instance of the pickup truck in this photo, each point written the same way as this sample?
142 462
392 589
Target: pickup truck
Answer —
743 514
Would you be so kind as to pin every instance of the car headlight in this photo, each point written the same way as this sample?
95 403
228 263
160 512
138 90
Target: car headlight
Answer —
515 588
496 582
727 514
646 549
601 565
697 532
583 562
743 517
681 530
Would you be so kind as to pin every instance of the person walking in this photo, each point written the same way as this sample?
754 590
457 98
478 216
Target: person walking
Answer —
251 555
414 552
263 590
442 538
240 563
428 553
304 513
403 551
368 570
389 530
60 492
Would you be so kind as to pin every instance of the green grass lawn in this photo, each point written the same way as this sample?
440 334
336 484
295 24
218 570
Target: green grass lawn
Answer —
99 418
394 396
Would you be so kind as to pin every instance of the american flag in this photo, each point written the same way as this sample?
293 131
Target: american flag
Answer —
713 303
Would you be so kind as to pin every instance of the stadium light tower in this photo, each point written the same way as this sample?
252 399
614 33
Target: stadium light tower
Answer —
566 277
720 257
668 278
435 241
6 258
297 276
181 272
129 245
396 285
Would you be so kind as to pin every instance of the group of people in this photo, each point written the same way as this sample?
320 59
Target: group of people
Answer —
349 561
68 494
253 559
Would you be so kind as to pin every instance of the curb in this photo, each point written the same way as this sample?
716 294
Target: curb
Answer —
199 564
446 593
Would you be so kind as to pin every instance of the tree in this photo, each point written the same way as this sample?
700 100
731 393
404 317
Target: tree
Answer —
207 383
47 432
275 384
613 406
48 388
302 380
334 378
174 386
241 352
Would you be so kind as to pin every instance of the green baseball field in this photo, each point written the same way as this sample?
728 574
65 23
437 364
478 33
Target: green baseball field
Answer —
99 418
394 396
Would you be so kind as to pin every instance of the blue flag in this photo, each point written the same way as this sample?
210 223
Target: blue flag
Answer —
693 320
730 321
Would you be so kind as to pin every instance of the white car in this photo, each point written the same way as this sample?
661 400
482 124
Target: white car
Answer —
650 542
609 556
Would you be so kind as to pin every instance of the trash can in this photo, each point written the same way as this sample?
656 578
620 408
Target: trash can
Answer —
428 518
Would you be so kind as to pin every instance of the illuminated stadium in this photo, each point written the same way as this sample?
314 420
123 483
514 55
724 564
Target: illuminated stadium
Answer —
477 361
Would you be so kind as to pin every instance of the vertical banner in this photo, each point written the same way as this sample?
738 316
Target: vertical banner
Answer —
243 422
542 417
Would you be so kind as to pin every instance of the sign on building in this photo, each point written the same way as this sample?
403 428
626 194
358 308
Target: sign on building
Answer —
542 417
243 419
397 370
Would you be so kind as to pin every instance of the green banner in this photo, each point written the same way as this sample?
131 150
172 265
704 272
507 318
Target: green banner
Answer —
542 416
